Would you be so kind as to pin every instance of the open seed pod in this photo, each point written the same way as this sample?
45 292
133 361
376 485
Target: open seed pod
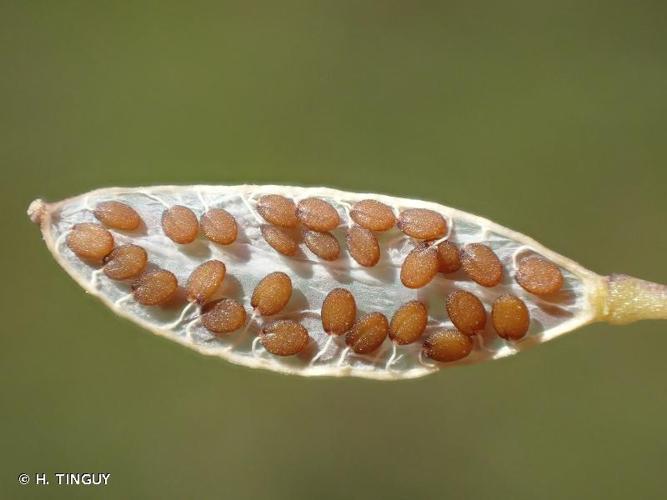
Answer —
529 294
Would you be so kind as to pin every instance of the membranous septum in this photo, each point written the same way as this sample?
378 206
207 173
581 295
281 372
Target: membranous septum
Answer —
316 281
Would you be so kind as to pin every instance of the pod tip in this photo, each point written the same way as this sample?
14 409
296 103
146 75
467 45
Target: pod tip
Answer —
37 210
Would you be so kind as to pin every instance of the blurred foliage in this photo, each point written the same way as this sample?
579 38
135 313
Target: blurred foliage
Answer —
548 117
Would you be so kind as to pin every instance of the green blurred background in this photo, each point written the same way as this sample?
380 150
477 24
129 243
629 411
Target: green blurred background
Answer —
549 117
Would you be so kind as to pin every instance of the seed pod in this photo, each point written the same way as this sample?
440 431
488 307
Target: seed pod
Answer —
324 245
317 214
481 264
126 261
223 316
284 337
615 299
363 246
447 345
408 323
281 240
155 287
539 276
117 215
90 241
219 226
180 224
205 281
422 223
419 267
368 333
510 317
466 312
277 210
449 258
339 311
272 294
373 215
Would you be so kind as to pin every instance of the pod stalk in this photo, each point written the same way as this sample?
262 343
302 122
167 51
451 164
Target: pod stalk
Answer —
628 299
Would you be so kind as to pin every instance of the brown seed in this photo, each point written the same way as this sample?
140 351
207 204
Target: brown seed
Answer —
317 214
510 317
420 266
117 215
408 323
363 246
284 337
449 258
422 223
272 293
277 210
339 311
180 224
155 287
220 226
481 264
324 245
466 312
539 276
90 241
447 345
126 261
373 215
223 316
368 333
280 239
205 280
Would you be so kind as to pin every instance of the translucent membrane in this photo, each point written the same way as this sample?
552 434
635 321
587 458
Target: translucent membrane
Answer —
157 299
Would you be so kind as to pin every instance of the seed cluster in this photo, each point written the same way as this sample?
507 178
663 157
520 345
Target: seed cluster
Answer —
314 221
318 219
